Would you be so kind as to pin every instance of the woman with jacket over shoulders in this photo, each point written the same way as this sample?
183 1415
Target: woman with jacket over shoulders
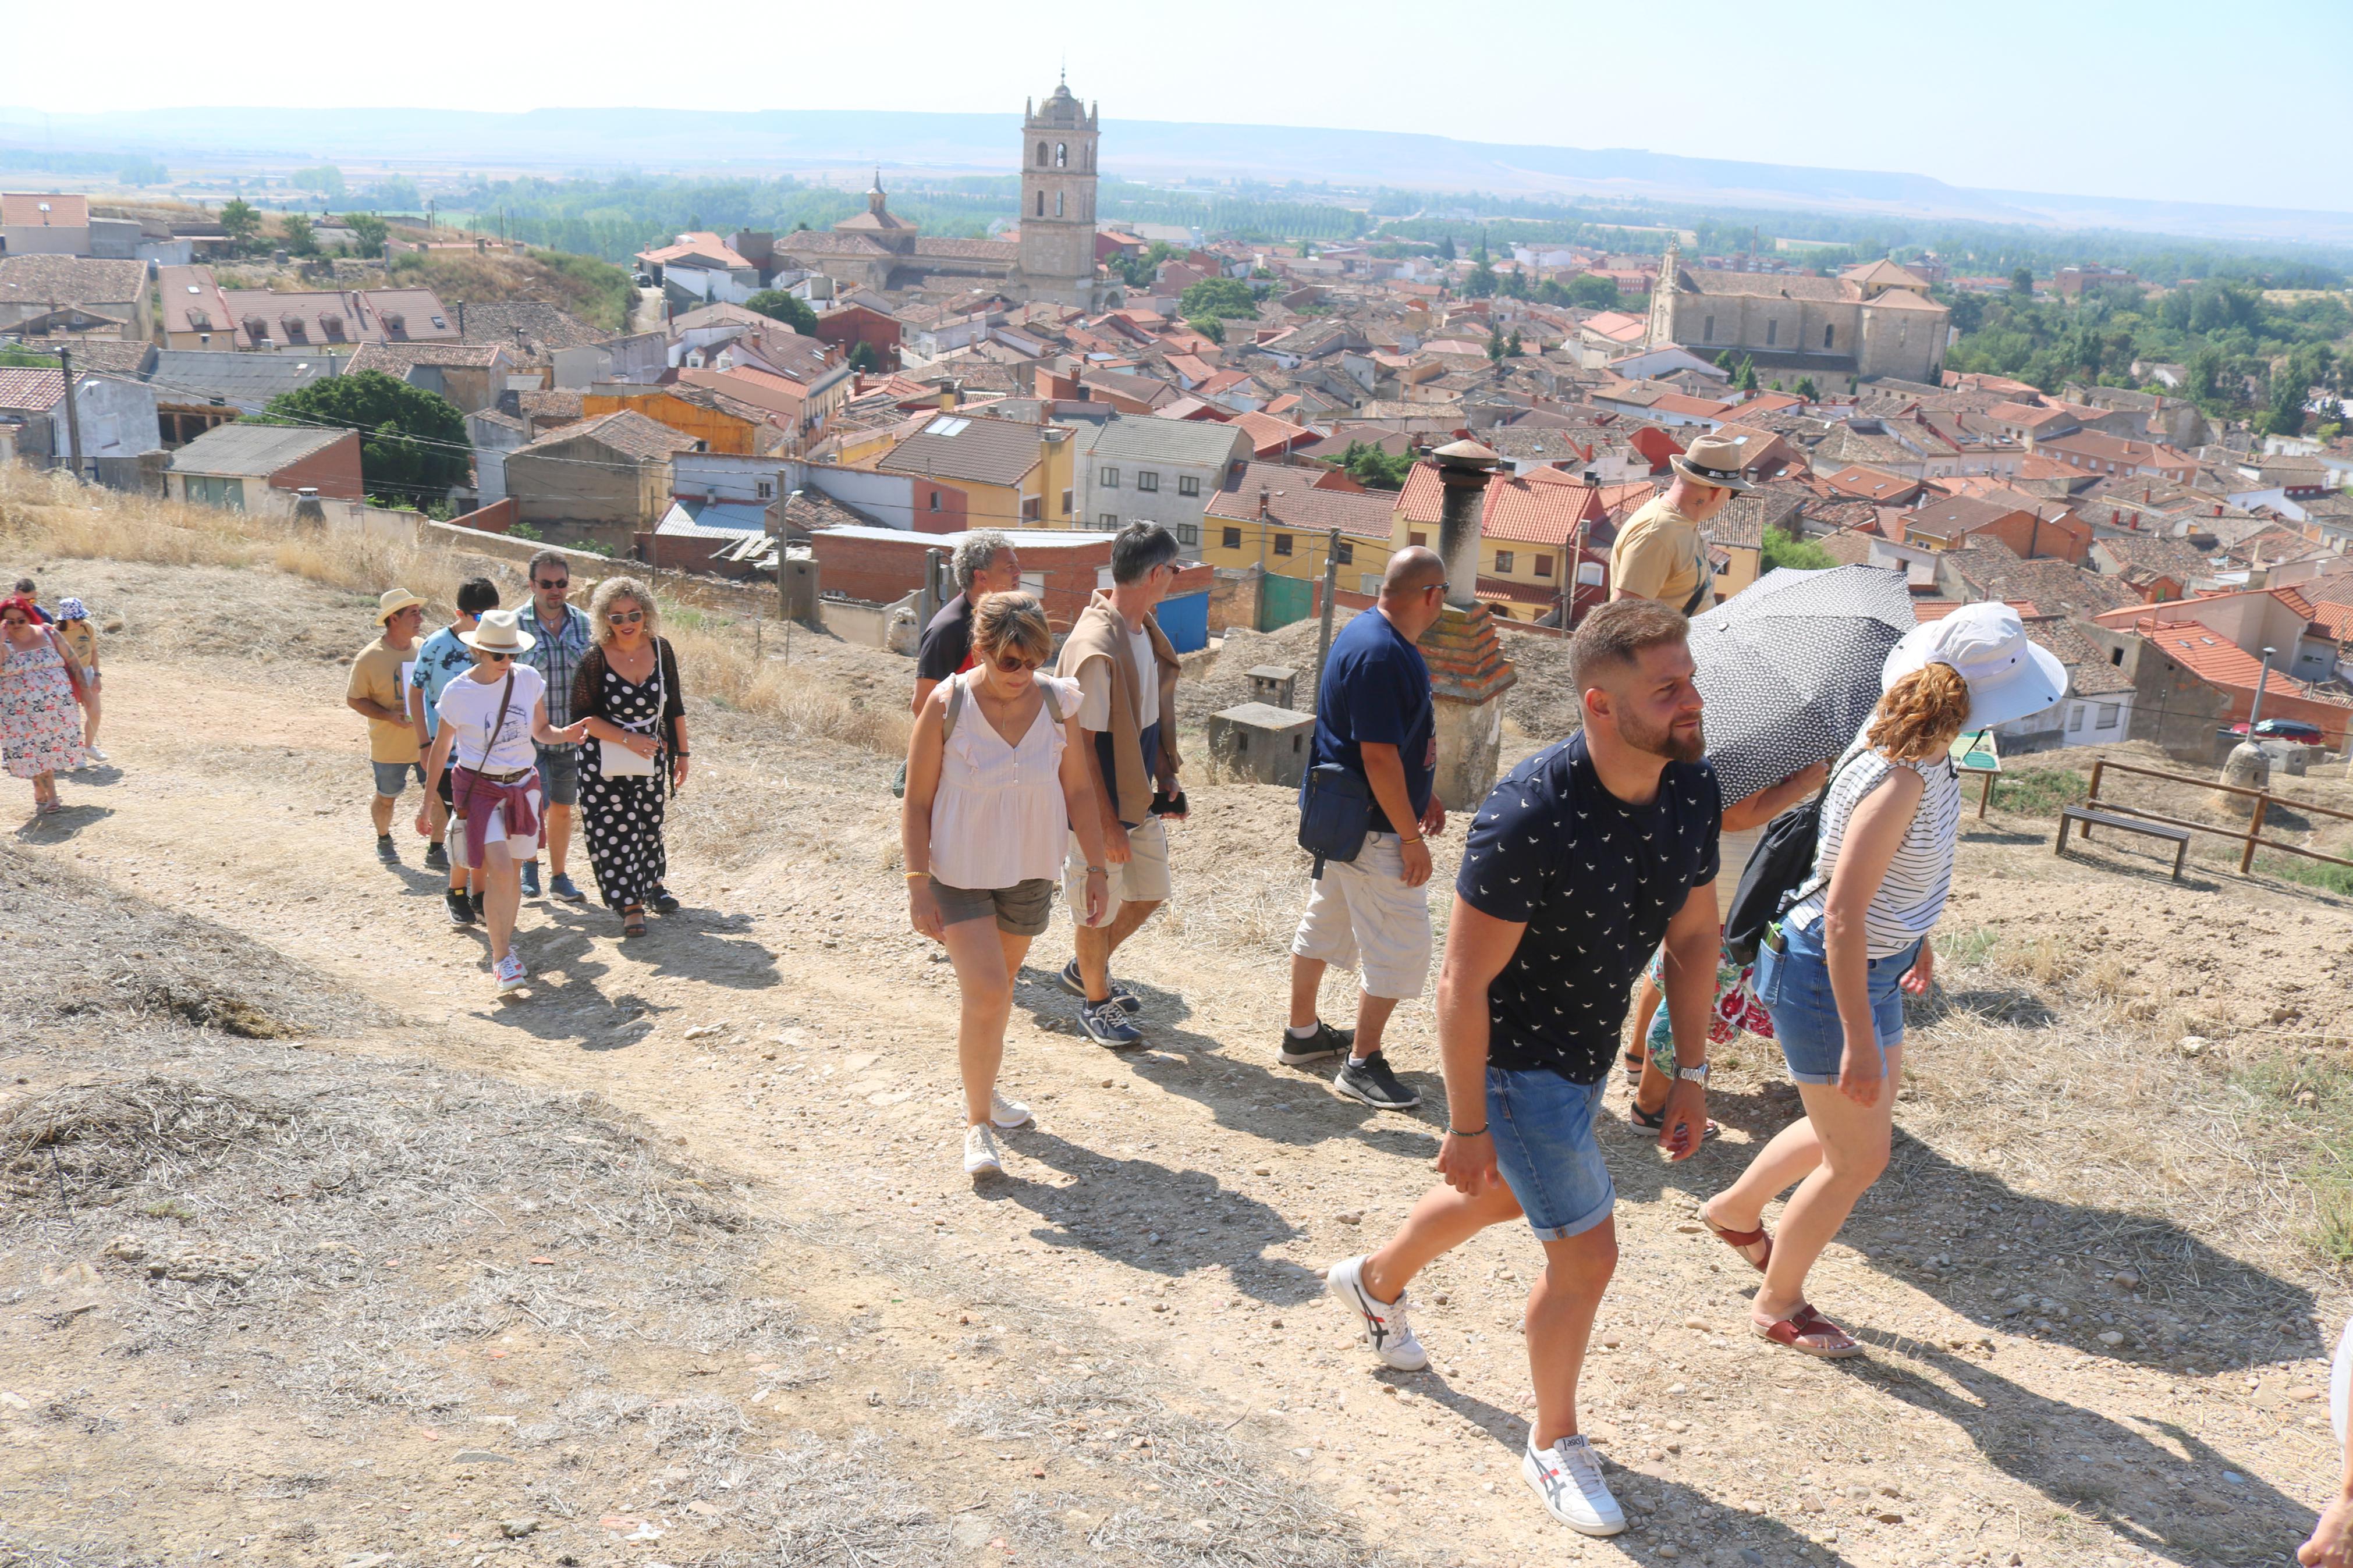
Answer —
627 692
995 770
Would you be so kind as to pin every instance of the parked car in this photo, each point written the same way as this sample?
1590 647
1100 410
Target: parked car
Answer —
2294 729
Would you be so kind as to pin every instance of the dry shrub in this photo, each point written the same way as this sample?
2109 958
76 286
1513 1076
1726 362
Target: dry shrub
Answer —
723 665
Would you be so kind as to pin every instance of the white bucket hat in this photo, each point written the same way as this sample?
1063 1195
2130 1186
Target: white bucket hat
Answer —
2009 675
499 631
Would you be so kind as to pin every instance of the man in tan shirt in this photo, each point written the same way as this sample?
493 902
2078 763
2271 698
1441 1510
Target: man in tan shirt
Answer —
1661 553
379 692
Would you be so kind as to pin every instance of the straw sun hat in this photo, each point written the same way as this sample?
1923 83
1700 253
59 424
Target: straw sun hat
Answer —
499 631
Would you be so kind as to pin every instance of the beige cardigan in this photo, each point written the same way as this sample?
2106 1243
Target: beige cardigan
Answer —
1101 634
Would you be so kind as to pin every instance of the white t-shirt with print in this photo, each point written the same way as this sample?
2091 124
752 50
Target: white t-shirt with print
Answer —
1095 686
473 707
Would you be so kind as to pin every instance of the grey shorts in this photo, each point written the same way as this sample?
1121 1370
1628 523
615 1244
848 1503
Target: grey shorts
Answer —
1021 910
559 773
391 778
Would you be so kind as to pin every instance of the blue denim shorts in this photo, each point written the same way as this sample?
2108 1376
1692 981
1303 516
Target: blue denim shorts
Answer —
391 778
1795 986
1546 1150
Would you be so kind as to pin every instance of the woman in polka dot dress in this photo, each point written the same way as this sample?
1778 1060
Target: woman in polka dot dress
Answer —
627 691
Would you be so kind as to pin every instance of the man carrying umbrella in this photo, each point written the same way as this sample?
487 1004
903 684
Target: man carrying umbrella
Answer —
1661 554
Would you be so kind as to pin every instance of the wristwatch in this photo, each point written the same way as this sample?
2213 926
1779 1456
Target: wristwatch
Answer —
1697 1075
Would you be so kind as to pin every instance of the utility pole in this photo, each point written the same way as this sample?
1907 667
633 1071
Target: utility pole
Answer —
2255 714
1323 626
73 415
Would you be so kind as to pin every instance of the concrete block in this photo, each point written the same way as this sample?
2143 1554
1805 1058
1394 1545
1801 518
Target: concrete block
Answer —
1273 684
1259 742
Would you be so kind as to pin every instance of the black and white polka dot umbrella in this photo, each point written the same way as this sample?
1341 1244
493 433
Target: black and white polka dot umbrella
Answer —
1789 668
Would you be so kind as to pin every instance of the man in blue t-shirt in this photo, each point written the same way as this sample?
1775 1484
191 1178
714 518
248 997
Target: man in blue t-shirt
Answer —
1374 717
1580 862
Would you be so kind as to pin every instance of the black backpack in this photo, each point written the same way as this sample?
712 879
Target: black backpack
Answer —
1776 872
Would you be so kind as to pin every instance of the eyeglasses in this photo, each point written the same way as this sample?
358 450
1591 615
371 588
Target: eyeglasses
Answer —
1016 666
495 658
625 617
559 584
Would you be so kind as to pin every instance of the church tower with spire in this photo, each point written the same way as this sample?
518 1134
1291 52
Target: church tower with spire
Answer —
1662 329
1057 200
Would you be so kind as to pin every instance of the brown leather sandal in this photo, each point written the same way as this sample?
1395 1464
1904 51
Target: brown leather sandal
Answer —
1740 1241
1804 1324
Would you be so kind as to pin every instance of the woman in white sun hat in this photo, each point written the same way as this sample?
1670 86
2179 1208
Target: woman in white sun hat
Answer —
490 717
1834 972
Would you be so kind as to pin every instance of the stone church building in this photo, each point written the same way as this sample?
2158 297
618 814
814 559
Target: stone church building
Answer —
1053 260
1871 322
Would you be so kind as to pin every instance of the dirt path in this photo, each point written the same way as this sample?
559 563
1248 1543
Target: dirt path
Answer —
2077 1355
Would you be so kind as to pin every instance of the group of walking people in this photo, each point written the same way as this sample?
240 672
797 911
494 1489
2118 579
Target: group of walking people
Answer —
49 686
523 727
1594 859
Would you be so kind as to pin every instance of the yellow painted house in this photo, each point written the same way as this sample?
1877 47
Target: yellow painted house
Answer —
1007 473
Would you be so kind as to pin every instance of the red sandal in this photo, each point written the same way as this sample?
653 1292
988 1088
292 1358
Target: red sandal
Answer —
1804 1324
1740 1241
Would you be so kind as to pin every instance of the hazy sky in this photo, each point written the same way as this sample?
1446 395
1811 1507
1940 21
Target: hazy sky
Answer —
2157 99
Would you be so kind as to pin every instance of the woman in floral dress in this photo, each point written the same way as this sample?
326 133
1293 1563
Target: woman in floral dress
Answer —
40 722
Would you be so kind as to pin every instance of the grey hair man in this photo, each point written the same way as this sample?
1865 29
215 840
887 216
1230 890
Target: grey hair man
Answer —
984 563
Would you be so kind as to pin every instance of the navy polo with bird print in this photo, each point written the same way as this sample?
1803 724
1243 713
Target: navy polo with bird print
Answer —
1596 881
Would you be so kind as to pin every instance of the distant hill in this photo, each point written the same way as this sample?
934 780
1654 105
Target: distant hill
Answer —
603 140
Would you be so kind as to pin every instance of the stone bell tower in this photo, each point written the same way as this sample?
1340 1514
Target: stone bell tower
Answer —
1057 200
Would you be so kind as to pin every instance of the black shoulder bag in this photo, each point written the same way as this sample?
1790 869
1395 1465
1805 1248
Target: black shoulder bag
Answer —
1335 812
1776 871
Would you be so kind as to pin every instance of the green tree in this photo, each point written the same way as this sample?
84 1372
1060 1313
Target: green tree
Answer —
1512 348
325 179
1210 328
789 308
1496 349
2290 390
413 443
1138 269
373 231
1783 549
864 360
1593 291
1446 247
1227 298
1374 468
2022 283
241 220
1808 390
1746 381
1481 283
294 229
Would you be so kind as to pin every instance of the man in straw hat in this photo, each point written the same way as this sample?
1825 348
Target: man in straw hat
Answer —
379 693
1661 553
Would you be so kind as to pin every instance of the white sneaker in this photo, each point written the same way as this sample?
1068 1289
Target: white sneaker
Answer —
511 973
980 1156
1007 1113
1385 1325
93 753
1567 1476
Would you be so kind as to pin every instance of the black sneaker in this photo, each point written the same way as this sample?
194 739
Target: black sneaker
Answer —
477 904
461 908
436 858
1370 1080
385 851
1324 1043
663 901
1128 999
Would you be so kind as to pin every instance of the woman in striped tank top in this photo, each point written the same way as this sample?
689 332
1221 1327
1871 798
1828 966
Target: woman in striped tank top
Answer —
1834 973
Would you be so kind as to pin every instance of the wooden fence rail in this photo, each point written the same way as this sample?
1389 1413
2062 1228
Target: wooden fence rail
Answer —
2252 837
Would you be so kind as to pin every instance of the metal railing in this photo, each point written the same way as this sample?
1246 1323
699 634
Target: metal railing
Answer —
2252 838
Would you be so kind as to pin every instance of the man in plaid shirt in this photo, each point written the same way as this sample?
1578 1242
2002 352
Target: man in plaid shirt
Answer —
563 638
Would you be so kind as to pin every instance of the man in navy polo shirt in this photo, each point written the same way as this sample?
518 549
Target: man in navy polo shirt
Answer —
1581 861
1374 717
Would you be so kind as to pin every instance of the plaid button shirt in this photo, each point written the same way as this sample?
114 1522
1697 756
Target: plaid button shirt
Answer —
556 656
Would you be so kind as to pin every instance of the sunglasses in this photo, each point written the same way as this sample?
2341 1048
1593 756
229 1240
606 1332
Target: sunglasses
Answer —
558 584
626 618
496 658
1014 666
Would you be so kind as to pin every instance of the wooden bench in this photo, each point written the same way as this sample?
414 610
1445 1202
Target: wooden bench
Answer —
2086 816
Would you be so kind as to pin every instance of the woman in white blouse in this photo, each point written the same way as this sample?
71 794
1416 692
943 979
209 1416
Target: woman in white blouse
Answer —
995 770
1834 970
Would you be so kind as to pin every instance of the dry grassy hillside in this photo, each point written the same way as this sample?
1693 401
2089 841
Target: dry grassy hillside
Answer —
315 1254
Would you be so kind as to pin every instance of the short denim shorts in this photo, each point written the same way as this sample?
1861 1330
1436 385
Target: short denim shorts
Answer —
559 770
1546 1150
391 778
1795 986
